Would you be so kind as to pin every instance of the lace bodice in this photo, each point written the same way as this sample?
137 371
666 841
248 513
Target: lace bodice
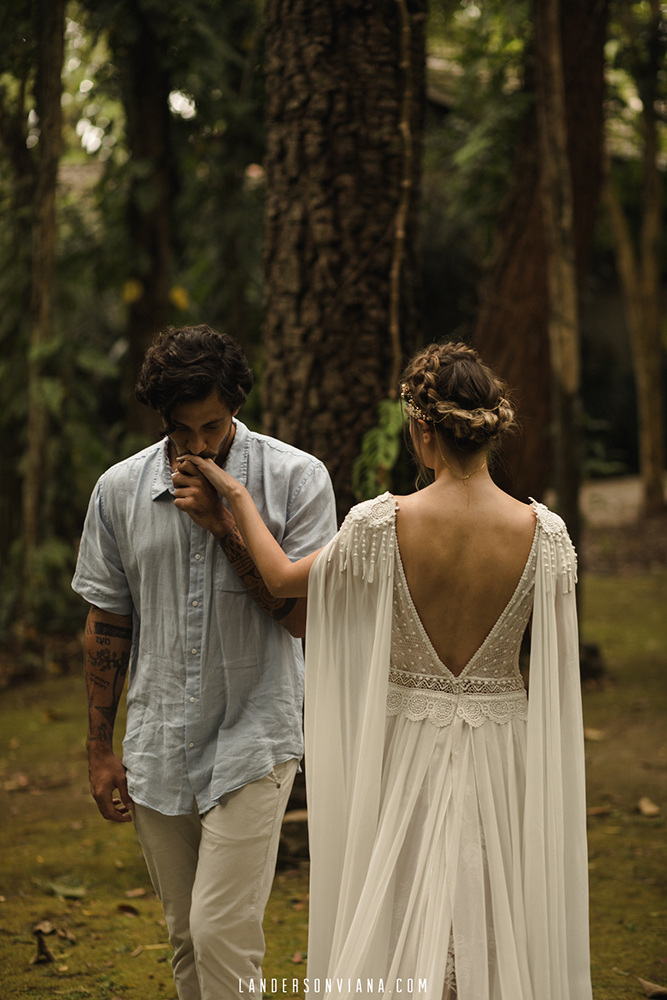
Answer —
489 687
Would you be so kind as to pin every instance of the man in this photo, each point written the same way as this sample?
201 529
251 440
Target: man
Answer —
213 732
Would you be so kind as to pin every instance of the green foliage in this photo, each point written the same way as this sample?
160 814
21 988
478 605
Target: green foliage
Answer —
380 449
478 98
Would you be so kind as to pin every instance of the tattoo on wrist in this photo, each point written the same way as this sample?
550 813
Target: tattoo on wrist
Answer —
233 546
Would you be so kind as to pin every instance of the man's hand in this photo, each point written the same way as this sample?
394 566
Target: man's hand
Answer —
106 774
197 498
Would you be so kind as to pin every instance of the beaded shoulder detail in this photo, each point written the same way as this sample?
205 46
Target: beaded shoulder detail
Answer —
364 541
560 558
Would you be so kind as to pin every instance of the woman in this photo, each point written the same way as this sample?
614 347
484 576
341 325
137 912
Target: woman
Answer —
446 813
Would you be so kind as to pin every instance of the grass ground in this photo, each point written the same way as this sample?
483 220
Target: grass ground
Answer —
64 864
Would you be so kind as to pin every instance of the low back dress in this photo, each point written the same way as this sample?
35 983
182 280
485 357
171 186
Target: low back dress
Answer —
446 813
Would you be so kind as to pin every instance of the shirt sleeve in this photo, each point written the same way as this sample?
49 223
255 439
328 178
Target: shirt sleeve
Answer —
100 577
311 514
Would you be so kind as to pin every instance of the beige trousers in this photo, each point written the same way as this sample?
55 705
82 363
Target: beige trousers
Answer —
213 875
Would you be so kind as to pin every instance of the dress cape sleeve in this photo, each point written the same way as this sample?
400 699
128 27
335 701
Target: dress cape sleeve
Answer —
555 876
348 641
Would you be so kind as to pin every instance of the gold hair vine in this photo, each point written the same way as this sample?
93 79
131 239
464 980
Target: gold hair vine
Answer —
413 410
411 407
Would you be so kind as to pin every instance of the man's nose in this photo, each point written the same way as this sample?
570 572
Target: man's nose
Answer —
196 444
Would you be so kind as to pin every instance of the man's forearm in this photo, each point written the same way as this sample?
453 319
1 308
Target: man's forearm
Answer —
287 611
107 644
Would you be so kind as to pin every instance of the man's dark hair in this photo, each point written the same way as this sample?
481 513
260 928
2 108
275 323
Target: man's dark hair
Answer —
187 365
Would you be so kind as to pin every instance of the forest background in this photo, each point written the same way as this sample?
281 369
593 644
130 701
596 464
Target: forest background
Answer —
332 187
333 182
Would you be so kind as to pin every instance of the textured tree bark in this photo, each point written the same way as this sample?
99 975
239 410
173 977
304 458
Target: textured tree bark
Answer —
49 32
640 281
512 327
344 124
557 205
146 91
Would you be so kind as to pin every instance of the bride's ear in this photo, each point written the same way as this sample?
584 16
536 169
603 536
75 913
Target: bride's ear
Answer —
426 431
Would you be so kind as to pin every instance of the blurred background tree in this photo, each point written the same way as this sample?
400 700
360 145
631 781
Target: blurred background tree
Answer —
404 203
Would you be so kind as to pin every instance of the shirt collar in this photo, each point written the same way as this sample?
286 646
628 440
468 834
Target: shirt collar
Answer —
236 463
162 481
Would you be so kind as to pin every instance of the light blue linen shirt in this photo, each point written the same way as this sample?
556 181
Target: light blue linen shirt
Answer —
215 685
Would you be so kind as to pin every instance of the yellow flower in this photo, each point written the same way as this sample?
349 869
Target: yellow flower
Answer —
179 297
132 291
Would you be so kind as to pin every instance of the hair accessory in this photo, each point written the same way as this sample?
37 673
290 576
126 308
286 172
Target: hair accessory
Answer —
411 407
413 410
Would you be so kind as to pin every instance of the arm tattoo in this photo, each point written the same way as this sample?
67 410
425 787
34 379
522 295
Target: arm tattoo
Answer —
107 657
233 546
114 631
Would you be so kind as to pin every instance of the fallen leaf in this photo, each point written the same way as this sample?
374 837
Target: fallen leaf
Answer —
76 825
648 808
62 968
594 735
135 893
13 744
66 891
65 932
108 965
119 865
155 947
17 783
598 811
296 816
128 910
136 952
652 989
297 958
3 899
43 927
42 953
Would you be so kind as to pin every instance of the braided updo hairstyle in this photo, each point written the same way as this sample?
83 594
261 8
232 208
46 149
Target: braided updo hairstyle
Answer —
464 400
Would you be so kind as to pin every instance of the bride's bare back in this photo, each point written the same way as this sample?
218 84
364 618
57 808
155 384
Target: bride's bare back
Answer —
464 547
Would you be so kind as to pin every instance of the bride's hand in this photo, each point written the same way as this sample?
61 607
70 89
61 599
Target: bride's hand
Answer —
221 481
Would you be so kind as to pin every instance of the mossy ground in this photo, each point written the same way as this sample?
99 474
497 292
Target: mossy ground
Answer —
52 835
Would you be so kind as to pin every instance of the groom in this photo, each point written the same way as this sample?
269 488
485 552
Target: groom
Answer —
213 734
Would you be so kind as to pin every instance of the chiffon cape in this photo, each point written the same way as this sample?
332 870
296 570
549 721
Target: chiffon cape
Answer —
410 824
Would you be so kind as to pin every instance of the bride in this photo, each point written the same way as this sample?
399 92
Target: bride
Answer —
446 809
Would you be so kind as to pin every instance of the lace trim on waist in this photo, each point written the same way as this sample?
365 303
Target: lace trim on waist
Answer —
441 707
456 685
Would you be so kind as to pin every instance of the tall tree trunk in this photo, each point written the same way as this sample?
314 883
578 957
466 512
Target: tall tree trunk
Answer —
345 84
13 135
640 282
563 319
146 88
49 20
512 326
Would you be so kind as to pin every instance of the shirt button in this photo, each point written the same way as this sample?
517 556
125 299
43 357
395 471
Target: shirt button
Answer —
194 652
191 745
192 701
197 557
195 604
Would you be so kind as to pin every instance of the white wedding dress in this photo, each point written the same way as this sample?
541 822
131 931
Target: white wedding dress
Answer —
446 814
